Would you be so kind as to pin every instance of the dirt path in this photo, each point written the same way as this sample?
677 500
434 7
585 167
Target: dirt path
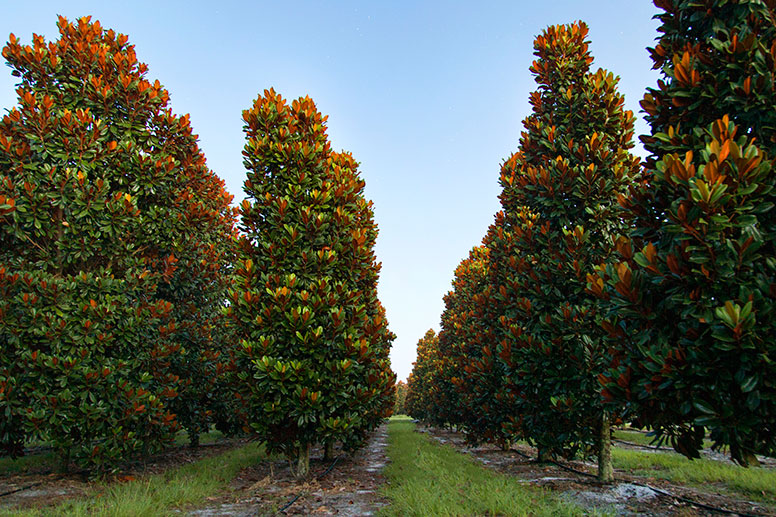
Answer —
349 489
627 497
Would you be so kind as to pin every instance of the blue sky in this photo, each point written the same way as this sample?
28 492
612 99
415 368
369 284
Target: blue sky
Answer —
428 96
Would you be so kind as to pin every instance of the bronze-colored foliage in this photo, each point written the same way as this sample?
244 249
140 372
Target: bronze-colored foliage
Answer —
312 361
109 217
560 212
691 295
422 379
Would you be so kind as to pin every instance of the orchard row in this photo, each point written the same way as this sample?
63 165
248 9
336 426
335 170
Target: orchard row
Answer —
131 306
609 291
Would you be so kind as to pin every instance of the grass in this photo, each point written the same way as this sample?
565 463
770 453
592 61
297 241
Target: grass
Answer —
642 439
430 479
636 437
159 494
182 437
27 463
48 460
754 482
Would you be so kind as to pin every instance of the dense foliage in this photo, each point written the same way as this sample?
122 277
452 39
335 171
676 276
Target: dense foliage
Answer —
468 329
400 406
312 360
560 211
114 238
680 335
130 308
692 298
420 383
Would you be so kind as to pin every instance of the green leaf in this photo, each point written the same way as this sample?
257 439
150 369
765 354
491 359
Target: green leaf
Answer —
704 407
749 384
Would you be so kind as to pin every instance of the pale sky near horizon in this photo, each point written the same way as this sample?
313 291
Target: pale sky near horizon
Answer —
428 96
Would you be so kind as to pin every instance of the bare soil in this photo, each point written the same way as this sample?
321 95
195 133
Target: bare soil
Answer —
348 489
41 487
628 496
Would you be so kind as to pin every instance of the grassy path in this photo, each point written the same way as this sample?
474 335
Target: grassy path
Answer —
428 479
160 494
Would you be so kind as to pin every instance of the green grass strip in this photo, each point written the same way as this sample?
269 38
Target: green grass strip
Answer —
48 459
637 438
642 439
431 479
21 465
752 482
160 494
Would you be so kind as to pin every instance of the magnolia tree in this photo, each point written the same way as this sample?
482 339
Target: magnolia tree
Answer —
476 371
453 352
420 383
446 407
499 420
692 294
400 407
108 215
312 361
560 212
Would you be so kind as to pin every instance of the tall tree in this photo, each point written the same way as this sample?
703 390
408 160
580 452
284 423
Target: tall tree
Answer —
560 204
446 408
500 418
421 380
108 213
400 407
467 342
693 293
313 357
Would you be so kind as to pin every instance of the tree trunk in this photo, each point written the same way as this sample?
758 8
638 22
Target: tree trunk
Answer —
605 470
303 462
193 439
544 455
328 451
64 461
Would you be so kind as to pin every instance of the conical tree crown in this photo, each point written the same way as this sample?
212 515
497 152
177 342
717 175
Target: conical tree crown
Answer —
468 346
560 208
573 152
313 362
112 222
420 383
